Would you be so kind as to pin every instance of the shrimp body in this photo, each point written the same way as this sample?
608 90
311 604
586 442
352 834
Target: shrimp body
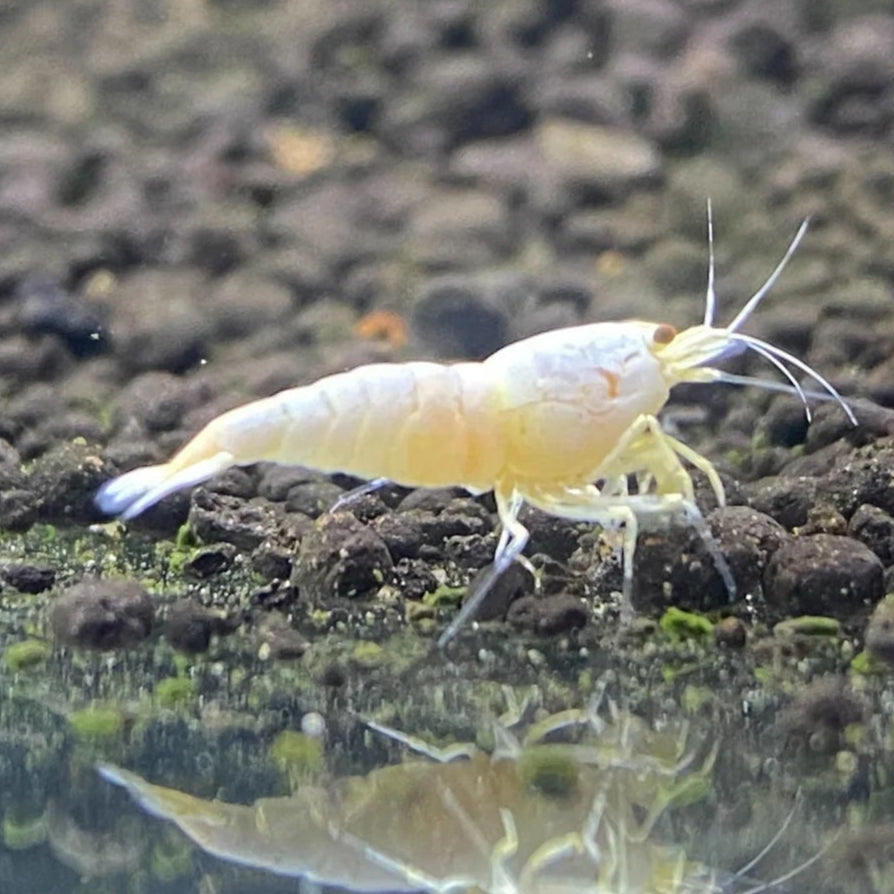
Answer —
544 411
562 420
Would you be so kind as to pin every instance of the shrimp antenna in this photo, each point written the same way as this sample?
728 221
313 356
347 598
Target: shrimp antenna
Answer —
744 870
771 358
770 385
710 296
792 873
743 315
766 350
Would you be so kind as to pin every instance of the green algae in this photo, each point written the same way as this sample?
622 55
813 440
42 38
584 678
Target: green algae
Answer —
866 664
26 655
185 538
808 625
419 612
297 757
170 858
444 596
22 833
682 625
97 725
548 769
368 654
175 692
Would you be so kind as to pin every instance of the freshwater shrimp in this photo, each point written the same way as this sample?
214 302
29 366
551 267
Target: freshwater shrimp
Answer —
561 421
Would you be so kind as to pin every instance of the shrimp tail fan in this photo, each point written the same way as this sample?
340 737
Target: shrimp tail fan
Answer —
134 492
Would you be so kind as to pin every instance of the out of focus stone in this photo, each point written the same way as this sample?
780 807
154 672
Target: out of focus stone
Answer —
101 613
879 637
27 577
592 160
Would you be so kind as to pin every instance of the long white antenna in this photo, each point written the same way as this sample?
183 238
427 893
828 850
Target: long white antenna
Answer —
758 296
710 297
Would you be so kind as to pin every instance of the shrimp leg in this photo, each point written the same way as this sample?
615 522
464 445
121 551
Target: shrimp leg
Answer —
513 539
609 512
657 454
626 512
361 490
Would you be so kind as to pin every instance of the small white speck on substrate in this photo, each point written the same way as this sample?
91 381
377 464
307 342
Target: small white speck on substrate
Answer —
203 361
313 724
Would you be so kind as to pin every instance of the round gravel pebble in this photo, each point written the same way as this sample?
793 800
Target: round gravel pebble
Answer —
102 614
823 575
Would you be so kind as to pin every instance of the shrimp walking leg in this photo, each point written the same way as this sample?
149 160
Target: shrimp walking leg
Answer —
659 453
627 513
361 490
610 512
513 539
646 446
655 457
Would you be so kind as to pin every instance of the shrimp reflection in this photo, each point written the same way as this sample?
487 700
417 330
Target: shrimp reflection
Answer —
533 817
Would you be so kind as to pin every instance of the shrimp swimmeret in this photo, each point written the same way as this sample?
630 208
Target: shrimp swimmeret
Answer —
560 420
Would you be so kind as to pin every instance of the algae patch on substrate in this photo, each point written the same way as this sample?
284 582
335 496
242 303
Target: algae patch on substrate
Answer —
175 692
26 655
679 624
297 757
548 769
171 857
21 833
97 725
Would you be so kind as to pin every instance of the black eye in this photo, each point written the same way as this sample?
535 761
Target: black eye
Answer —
664 334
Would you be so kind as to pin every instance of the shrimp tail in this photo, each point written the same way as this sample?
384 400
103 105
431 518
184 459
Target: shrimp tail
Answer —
134 492
166 803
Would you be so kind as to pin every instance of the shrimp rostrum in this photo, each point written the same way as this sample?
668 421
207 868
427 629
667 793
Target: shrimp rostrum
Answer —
562 421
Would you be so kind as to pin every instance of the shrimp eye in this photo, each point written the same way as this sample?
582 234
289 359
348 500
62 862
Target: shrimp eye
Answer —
664 334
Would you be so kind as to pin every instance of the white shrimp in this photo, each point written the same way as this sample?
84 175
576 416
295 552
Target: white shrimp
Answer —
560 420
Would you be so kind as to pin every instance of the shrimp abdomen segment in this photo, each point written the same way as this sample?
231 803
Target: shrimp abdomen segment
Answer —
419 424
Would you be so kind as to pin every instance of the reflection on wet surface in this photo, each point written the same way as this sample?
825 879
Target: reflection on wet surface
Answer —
278 771
532 816
593 800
